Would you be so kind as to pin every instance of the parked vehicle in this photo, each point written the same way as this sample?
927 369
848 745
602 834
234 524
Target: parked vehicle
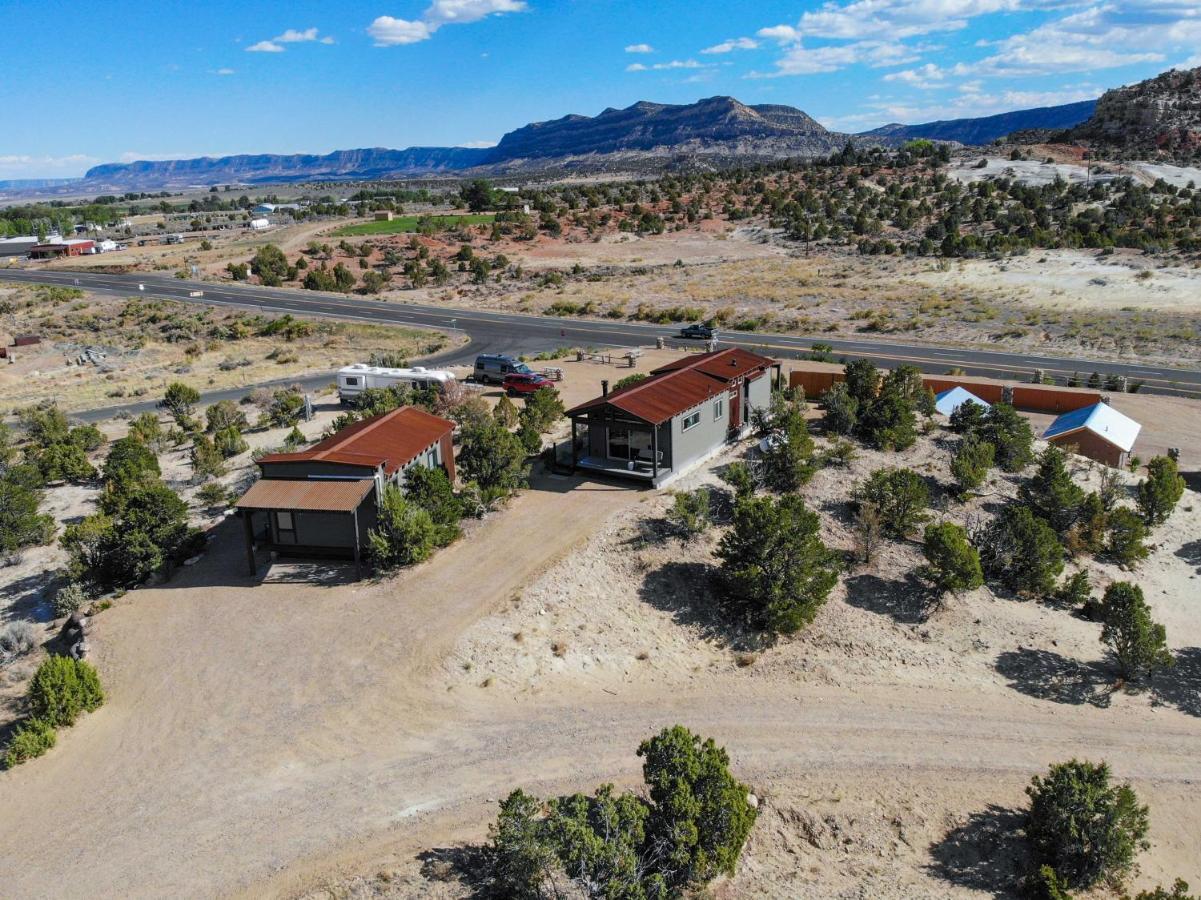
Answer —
698 331
353 380
518 383
491 368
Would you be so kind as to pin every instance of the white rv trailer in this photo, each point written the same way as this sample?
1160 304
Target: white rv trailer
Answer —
353 380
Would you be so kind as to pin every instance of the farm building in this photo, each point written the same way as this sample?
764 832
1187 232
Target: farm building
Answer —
682 413
70 247
259 224
324 500
946 402
18 246
1099 432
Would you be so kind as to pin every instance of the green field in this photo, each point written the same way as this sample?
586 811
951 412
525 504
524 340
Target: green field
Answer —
406 224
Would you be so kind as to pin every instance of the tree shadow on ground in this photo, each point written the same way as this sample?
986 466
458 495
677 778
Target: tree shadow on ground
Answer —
468 866
908 601
27 598
986 853
1047 675
1191 554
1180 686
687 591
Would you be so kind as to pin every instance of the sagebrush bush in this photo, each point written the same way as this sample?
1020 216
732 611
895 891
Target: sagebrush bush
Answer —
17 639
61 689
69 599
32 738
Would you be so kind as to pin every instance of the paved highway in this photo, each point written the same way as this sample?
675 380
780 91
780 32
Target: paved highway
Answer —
495 332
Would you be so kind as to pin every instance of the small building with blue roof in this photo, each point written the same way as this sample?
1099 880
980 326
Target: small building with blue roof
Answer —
946 402
1099 432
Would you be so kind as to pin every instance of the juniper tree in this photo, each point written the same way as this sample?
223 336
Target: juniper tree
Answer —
952 563
971 462
1021 551
1160 491
1137 642
1051 493
900 495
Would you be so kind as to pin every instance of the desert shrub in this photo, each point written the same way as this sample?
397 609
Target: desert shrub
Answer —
1137 642
531 439
213 494
900 496
225 414
1011 436
180 401
505 412
862 379
1075 592
1179 891
952 563
628 381
228 442
841 409
1051 494
17 639
971 462
61 689
775 571
867 531
430 489
132 537
689 827
1083 827
542 410
1127 537
1021 551
295 438
21 523
87 437
286 406
207 460
738 476
967 417
129 463
404 533
1088 534
788 460
494 458
70 598
1160 491
888 421
690 511
31 739
62 462
270 264
147 429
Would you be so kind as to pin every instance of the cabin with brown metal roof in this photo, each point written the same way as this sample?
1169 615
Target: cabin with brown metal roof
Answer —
682 413
323 501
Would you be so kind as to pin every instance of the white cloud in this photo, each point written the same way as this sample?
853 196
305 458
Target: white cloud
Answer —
19 165
732 44
969 103
640 48
478 145
674 64
291 36
785 34
225 72
801 60
391 32
925 77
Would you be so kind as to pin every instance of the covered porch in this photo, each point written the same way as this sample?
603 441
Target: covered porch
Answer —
621 446
318 518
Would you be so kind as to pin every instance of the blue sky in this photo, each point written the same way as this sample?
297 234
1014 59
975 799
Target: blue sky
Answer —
85 83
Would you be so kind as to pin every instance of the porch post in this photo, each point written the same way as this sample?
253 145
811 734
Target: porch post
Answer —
575 454
654 452
248 530
358 556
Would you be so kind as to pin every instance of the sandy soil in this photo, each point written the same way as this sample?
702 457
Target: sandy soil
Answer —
298 736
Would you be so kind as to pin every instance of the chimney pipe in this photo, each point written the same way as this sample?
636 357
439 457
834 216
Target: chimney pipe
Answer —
604 388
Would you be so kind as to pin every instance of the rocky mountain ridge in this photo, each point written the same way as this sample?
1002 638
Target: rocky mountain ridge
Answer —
1156 118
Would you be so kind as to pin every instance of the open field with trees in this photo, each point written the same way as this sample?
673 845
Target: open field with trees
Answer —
97 351
411 224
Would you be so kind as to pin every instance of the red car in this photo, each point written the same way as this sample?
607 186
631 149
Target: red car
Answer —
516 383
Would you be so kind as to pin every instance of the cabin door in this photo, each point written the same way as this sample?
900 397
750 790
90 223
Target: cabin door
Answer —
735 409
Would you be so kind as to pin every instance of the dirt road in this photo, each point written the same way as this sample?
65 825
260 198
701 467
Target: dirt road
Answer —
257 738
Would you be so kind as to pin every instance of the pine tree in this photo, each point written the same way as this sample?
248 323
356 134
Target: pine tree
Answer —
1051 493
1137 642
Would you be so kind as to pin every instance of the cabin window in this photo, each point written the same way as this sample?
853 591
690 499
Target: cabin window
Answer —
285 528
691 421
719 409
352 381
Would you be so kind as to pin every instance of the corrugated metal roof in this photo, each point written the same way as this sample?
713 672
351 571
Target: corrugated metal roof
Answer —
733 362
1102 420
392 439
946 402
660 397
318 495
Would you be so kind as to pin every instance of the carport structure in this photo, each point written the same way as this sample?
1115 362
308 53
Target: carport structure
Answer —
320 517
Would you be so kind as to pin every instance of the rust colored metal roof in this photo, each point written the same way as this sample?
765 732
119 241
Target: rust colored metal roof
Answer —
728 364
658 398
392 439
314 496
